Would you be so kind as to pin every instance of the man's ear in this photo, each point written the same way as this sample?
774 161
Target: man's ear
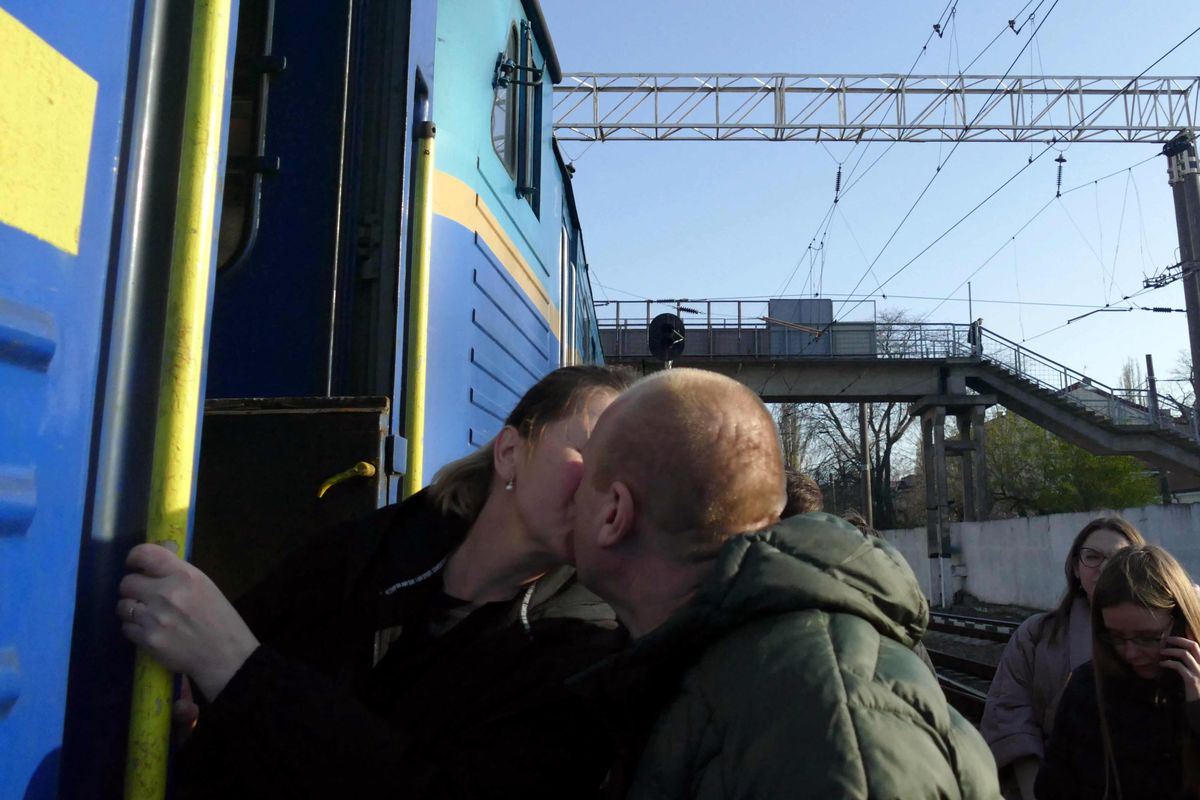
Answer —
508 448
620 514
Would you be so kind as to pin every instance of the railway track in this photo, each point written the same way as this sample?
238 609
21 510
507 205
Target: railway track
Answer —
966 680
995 630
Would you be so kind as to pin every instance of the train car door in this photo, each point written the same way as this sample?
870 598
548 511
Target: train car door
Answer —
304 318
63 87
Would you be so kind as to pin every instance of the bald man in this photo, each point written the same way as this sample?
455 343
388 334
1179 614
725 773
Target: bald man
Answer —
764 664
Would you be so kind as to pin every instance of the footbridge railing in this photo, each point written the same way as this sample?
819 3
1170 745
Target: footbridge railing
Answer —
745 329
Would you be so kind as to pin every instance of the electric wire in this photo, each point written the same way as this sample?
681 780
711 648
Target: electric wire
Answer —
827 218
1037 214
1013 177
938 170
1112 273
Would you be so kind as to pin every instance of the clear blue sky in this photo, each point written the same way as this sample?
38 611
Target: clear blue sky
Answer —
730 219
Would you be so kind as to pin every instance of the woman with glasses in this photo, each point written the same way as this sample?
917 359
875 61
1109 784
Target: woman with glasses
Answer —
1033 671
1128 725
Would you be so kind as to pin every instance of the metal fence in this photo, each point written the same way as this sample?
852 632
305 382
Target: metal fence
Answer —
725 329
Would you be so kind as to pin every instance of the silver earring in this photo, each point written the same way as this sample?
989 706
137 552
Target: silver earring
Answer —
508 487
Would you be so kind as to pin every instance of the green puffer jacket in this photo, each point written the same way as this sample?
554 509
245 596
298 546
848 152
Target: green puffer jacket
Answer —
791 674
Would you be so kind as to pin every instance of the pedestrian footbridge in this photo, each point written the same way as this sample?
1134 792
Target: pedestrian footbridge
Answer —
796 353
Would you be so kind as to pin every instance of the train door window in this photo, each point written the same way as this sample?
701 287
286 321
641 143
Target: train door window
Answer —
564 269
504 112
244 161
517 114
574 321
531 124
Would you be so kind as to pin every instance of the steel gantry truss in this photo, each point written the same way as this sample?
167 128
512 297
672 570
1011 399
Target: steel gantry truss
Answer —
914 108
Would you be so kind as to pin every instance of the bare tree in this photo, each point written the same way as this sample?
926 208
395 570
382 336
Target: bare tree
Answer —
1132 378
1181 381
890 447
796 433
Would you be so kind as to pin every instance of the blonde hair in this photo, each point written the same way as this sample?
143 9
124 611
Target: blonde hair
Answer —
462 487
1149 577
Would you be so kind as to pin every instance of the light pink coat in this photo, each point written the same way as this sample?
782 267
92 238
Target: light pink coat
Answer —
1029 681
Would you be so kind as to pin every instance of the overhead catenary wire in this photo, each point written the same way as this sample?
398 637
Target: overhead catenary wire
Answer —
938 170
868 297
1035 215
951 296
1013 177
852 179
827 218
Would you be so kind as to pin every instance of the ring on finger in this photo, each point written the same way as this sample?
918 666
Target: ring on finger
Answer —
132 607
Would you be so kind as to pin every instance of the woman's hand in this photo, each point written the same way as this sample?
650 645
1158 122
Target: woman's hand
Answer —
1182 655
175 613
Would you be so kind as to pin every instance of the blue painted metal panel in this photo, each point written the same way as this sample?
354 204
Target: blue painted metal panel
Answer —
51 306
487 345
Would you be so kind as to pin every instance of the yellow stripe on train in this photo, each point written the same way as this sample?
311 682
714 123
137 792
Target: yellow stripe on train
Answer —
455 200
47 106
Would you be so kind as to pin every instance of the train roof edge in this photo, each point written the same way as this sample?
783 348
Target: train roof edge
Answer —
541 32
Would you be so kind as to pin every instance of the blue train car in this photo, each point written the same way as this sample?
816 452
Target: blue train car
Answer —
311 305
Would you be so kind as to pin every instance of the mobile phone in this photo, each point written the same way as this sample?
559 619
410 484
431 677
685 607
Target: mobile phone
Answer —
1169 679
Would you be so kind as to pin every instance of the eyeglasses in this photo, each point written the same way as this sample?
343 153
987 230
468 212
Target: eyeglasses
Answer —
1092 558
1117 641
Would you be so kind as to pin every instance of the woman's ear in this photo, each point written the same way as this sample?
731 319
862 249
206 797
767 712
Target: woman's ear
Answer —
508 449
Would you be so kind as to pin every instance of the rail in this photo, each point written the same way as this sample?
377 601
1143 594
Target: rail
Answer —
964 681
976 627
790 328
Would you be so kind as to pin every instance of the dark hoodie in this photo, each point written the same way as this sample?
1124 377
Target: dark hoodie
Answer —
466 703
791 674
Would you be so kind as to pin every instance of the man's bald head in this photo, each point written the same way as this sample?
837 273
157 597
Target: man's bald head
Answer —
699 453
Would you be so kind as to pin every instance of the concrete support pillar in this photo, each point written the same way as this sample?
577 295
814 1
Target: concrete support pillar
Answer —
933 438
966 451
983 497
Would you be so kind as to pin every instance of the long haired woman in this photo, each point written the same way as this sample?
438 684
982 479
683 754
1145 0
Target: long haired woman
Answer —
1033 671
1128 725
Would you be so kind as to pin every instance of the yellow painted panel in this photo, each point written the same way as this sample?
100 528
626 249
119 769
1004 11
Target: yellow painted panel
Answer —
454 199
47 106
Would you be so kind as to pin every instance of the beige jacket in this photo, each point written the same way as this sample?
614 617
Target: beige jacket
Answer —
1029 682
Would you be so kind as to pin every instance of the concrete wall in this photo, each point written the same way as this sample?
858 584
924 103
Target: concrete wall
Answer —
1020 561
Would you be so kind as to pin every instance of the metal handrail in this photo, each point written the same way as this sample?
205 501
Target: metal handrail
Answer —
754 337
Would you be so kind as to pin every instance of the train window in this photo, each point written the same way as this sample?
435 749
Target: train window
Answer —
564 300
504 112
244 164
531 124
517 114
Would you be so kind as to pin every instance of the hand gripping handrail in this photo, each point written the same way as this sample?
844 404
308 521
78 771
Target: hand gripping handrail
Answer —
178 418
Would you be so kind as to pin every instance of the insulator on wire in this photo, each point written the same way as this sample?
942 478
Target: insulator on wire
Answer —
837 184
1058 185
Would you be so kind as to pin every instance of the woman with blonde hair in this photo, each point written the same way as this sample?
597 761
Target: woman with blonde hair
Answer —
1019 715
1128 725
422 652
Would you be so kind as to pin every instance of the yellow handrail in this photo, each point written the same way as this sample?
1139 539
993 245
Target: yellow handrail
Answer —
183 355
418 309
